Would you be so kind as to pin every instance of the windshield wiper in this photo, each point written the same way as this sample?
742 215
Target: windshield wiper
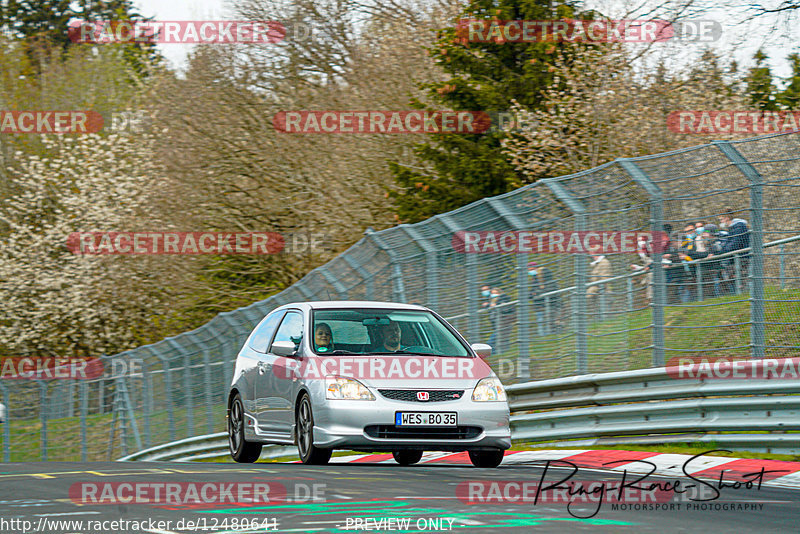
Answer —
342 351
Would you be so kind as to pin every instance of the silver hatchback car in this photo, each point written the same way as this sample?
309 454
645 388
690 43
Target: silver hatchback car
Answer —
365 376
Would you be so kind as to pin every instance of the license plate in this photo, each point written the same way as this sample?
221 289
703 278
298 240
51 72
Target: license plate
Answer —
425 419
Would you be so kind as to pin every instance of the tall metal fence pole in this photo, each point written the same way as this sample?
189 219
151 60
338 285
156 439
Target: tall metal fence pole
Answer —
398 288
365 276
579 311
756 271
6 425
659 282
524 318
431 267
84 410
472 298
43 418
341 291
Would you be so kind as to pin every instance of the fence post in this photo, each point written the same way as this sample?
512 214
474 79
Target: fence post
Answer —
168 391
782 266
147 404
84 409
756 270
365 276
472 299
523 318
398 288
6 424
523 289
431 265
43 418
579 311
341 291
659 283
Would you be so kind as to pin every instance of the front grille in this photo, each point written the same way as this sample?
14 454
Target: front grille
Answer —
394 432
436 395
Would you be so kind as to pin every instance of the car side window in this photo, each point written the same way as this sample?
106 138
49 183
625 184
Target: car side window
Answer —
291 328
260 338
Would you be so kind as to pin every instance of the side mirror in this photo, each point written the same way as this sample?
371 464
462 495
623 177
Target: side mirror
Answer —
482 350
284 348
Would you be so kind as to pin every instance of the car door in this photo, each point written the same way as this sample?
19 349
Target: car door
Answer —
274 385
252 354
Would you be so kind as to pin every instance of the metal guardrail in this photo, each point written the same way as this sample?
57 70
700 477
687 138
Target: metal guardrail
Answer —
646 406
199 448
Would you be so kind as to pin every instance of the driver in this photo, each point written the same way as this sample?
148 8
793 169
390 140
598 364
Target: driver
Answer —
323 337
390 337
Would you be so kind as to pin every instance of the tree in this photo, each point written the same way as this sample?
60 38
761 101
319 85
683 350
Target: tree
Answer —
759 85
589 122
61 303
480 76
225 156
43 25
790 97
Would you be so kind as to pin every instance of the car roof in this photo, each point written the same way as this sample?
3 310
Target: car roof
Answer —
330 304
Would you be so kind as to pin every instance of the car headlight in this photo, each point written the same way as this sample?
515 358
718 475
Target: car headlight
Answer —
338 388
489 389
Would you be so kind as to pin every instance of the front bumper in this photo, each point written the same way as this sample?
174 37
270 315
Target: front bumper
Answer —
340 424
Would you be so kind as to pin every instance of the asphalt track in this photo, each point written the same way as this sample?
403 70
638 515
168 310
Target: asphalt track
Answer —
427 495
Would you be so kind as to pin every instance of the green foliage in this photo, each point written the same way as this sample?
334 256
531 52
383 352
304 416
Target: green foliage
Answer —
759 85
462 168
790 97
43 25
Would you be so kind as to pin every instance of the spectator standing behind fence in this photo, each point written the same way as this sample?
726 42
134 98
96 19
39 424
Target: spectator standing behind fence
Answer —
501 318
738 234
548 309
734 235
645 252
601 269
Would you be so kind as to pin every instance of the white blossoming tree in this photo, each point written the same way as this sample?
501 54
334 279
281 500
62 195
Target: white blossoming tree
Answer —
59 302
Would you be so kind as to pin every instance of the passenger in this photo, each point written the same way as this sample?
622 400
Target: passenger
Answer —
323 337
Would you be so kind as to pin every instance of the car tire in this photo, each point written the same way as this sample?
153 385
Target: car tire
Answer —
407 457
309 454
241 451
486 458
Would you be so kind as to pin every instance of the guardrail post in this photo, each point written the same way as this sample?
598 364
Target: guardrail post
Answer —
756 270
6 425
579 311
659 284
398 288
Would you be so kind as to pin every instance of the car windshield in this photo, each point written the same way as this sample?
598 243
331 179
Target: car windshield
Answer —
382 331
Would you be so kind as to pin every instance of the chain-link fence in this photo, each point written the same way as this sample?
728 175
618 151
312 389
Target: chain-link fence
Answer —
547 314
